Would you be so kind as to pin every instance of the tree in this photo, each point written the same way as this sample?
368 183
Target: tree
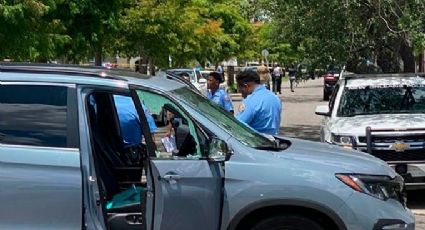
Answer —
28 33
388 32
185 30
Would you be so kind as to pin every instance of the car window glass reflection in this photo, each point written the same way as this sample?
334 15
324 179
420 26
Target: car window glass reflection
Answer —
33 115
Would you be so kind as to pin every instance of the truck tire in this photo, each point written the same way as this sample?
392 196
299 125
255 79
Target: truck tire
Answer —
287 222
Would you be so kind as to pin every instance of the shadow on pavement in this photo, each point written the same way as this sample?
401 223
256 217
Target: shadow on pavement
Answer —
307 132
415 199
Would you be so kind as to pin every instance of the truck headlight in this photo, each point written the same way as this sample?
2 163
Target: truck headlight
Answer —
343 140
381 187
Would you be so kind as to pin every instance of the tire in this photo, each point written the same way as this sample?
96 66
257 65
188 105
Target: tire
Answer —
287 222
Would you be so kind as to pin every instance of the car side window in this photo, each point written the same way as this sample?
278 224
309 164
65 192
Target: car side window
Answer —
177 136
34 115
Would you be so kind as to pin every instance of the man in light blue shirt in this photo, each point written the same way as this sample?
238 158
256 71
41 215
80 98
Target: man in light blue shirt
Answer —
216 94
260 108
131 131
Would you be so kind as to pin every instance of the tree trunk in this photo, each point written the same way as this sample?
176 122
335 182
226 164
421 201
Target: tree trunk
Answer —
230 75
143 68
406 53
98 56
421 62
151 67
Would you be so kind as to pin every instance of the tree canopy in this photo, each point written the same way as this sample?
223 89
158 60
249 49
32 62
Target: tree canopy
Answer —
389 33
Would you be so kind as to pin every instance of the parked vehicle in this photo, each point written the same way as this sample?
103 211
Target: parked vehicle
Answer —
330 78
64 164
195 76
383 115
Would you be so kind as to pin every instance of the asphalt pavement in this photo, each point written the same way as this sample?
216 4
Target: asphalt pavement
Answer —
299 120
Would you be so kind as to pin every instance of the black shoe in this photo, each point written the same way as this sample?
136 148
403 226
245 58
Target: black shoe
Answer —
292 90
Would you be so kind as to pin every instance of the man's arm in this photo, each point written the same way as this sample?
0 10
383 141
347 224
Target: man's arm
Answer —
246 114
227 103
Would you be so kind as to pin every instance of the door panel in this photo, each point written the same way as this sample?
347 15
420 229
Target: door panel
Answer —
187 194
40 187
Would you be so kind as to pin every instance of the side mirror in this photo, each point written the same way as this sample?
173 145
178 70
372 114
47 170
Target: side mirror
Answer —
322 110
219 151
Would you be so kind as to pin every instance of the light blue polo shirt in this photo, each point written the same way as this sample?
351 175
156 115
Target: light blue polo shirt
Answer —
221 98
261 111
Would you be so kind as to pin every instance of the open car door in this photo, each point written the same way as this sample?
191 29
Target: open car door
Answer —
187 194
181 192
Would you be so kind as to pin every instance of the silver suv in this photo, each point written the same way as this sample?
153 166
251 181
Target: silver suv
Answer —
64 164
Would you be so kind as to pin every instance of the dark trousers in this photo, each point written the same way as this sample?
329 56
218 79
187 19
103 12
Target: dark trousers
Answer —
292 81
277 83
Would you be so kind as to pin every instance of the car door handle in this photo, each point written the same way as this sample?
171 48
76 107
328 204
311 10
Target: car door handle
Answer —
170 177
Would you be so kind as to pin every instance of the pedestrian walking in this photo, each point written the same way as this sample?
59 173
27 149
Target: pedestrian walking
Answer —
277 79
260 108
292 73
264 74
217 94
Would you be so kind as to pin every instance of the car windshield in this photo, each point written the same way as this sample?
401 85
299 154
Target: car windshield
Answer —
382 100
225 120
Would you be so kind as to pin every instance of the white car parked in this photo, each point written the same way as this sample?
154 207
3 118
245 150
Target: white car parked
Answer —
195 78
383 115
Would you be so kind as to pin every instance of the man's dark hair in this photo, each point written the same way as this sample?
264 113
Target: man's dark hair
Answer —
248 76
217 76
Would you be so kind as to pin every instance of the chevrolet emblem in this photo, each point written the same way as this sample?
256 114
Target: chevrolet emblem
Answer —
399 146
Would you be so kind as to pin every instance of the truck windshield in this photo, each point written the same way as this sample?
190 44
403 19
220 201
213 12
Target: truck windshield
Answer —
224 119
382 100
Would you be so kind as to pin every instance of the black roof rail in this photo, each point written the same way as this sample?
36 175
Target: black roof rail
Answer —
97 72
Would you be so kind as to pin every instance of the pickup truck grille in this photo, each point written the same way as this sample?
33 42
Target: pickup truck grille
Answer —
408 155
394 145
393 139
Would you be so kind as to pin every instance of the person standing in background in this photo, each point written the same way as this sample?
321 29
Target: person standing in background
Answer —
292 72
264 74
277 78
217 94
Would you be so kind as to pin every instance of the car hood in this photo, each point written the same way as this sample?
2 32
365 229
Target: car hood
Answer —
357 125
341 160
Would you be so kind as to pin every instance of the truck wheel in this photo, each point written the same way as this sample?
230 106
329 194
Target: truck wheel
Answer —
287 222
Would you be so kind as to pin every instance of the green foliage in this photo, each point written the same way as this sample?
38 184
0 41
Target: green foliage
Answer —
348 31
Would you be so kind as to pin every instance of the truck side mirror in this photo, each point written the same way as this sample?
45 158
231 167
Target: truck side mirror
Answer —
322 110
218 150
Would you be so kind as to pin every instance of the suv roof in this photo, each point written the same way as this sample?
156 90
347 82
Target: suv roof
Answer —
85 75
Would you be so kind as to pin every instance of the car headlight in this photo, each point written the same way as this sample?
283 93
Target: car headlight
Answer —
343 140
381 187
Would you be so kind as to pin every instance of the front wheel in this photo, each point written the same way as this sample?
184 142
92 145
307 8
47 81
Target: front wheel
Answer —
287 222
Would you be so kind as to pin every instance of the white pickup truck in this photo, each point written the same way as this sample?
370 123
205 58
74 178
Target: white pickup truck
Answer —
383 115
